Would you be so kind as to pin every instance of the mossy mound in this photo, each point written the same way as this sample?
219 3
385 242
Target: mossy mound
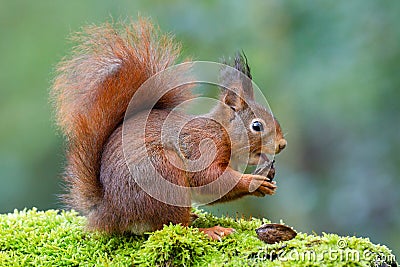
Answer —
53 238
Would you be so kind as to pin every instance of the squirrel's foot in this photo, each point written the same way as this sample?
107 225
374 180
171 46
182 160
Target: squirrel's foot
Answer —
217 232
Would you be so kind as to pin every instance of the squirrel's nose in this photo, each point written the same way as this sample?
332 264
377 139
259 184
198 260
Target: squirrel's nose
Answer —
281 145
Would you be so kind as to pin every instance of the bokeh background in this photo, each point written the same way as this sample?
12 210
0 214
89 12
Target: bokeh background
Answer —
330 70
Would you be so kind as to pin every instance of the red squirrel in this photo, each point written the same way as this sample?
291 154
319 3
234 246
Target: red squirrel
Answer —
91 93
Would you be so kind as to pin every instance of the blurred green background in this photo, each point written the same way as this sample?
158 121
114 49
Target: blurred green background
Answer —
330 70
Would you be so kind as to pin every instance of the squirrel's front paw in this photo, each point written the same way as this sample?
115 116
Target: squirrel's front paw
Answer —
261 185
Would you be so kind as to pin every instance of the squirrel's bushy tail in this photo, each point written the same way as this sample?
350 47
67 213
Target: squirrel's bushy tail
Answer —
92 90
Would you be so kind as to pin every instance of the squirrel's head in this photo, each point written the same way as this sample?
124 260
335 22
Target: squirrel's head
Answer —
254 132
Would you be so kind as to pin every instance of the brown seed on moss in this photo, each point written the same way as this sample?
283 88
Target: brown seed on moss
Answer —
272 233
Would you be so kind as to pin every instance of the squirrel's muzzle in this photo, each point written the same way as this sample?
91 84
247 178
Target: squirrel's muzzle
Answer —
281 144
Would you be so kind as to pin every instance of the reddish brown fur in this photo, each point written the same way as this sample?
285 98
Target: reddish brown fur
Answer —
92 91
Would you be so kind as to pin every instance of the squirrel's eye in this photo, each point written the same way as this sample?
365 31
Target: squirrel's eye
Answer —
257 126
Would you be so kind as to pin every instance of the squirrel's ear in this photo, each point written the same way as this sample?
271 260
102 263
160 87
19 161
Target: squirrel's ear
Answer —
238 77
241 64
234 100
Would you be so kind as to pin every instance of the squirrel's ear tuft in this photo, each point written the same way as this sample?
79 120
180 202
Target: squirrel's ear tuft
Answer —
241 64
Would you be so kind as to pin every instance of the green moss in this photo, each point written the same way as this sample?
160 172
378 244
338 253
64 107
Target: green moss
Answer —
53 238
